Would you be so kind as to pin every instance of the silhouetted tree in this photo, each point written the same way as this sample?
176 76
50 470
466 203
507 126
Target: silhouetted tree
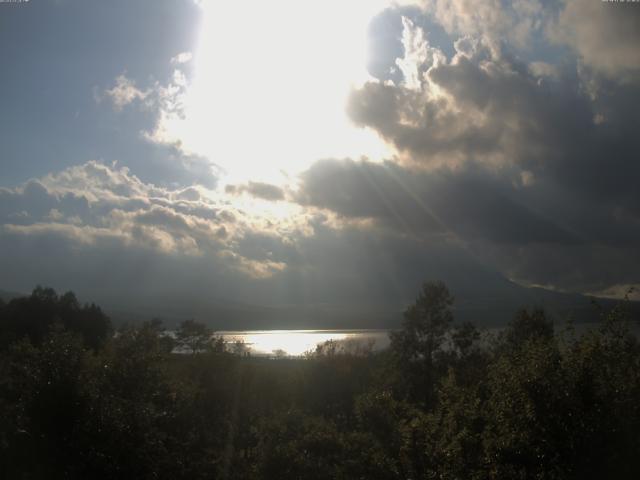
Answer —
526 326
33 317
464 337
529 405
422 336
195 336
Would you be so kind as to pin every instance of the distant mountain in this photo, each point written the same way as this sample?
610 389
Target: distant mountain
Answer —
226 315
484 308
558 305
7 295
491 302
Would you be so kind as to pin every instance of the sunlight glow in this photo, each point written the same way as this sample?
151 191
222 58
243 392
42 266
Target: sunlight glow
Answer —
293 342
270 86
299 342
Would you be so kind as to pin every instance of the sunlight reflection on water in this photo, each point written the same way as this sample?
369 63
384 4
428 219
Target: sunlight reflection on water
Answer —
299 342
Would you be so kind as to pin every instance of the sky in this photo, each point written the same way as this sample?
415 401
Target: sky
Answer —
333 154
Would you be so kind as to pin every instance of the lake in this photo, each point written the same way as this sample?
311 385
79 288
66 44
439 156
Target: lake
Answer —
295 343
299 342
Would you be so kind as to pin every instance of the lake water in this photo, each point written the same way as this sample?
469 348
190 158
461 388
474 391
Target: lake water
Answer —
299 342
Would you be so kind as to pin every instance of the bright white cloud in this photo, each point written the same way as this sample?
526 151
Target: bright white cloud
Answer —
416 50
124 92
183 57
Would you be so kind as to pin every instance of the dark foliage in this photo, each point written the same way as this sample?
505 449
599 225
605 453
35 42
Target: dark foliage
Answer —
419 344
34 316
443 402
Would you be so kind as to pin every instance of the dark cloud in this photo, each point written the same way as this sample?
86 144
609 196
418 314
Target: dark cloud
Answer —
535 234
531 167
498 111
472 204
265 191
590 267
349 271
494 112
139 243
33 202
367 236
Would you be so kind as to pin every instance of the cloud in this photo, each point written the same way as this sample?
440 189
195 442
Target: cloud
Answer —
469 205
543 69
489 112
33 202
165 99
508 160
265 191
590 267
183 57
496 23
632 292
167 161
113 236
253 268
94 202
535 236
417 55
517 161
170 100
361 234
604 34
124 92
499 114
506 163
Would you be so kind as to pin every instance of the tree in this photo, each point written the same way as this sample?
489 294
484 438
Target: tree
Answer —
195 336
464 338
422 336
526 326
34 316
41 405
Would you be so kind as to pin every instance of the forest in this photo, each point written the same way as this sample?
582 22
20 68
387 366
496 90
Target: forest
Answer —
81 399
